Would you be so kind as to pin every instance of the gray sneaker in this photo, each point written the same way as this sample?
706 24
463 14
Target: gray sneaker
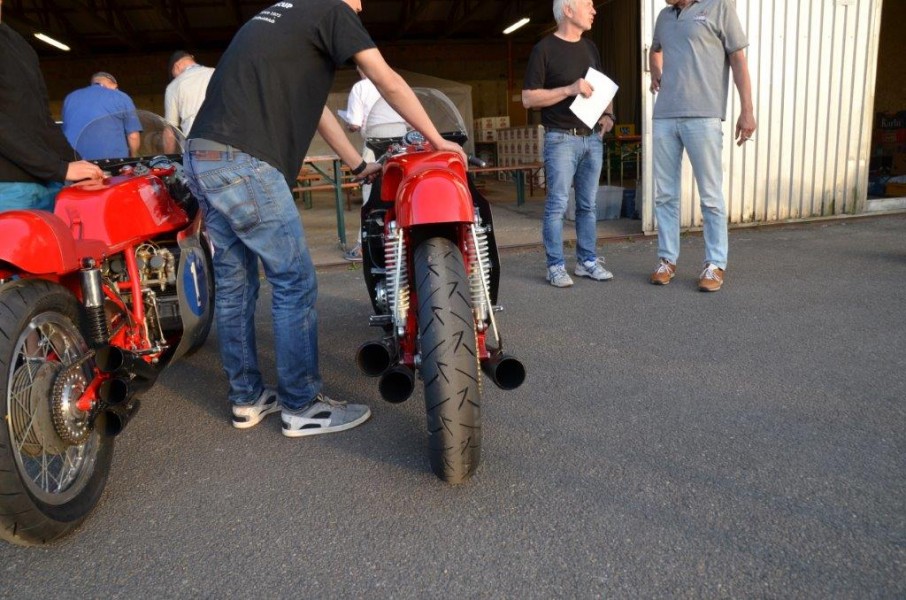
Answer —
558 277
594 269
249 415
324 415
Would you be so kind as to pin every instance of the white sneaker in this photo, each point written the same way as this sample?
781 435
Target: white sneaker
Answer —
249 415
558 277
324 415
594 269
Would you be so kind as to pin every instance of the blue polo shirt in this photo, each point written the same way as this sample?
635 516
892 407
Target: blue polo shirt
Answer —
96 121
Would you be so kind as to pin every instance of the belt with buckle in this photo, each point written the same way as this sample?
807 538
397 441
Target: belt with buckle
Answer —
203 149
583 131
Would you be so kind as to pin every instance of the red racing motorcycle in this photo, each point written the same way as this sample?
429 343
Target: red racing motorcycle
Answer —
432 271
96 298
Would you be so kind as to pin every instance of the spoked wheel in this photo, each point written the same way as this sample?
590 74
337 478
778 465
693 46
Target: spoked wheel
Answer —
449 361
53 463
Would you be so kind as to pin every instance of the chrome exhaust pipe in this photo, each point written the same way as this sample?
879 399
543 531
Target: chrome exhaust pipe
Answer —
507 372
375 357
396 384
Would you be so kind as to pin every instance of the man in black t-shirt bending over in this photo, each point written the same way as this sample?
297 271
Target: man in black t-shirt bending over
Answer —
263 105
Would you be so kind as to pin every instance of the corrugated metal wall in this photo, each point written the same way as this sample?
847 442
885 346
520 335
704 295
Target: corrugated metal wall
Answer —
813 65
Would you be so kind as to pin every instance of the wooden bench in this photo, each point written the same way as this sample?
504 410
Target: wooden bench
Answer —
309 181
519 172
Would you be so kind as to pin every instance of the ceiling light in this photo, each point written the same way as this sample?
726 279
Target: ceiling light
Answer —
49 40
516 25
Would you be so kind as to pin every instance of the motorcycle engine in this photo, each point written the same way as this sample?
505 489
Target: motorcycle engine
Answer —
157 264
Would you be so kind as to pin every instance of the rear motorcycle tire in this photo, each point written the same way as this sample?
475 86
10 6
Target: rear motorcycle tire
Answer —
449 361
47 488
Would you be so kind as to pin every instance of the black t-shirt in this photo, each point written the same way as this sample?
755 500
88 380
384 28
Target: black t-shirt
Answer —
269 89
554 63
32 147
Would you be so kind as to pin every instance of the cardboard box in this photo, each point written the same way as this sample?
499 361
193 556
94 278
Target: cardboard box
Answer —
898 165
609 201
896 190
492 123
486 135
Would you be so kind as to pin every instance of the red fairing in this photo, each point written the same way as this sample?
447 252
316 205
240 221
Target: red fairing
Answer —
429 188
39 242
125 211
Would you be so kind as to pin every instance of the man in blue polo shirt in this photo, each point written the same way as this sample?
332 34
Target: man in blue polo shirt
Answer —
100 121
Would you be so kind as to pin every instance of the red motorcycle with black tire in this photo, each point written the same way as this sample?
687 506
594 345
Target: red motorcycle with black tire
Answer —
96 298
432 271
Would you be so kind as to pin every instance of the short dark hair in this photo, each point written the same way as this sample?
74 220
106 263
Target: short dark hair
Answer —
175 58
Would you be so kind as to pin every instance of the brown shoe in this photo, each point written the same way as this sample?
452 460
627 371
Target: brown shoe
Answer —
664 273
711 279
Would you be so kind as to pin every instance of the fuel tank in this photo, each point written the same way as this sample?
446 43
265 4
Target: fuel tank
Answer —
124 210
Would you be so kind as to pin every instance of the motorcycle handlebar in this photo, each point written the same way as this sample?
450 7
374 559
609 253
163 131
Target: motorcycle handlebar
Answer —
474 161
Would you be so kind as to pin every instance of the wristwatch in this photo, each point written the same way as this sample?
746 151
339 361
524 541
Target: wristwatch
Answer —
610 116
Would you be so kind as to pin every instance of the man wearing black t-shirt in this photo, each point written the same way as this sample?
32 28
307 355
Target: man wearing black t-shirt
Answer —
35 158
573 153
263 105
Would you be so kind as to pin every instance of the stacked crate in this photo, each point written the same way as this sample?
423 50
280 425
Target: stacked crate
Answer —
520 146
486 128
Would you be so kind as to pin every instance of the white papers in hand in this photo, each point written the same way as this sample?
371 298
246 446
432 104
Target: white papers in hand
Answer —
589 109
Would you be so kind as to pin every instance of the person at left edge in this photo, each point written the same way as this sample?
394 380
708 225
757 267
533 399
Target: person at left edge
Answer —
265 101
100 120
35 158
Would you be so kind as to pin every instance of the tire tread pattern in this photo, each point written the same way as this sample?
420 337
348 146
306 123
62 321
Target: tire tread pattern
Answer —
449 363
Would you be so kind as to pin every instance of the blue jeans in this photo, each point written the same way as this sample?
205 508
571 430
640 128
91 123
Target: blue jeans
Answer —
703 140
250 214
22 195
571 161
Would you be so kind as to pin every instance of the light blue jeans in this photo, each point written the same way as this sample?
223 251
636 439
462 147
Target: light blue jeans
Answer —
571 161
702 138
250 214
22 195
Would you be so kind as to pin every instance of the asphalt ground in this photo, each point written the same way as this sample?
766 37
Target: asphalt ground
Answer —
666 444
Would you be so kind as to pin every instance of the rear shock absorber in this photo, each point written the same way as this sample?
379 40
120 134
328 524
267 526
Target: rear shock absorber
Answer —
397 277
480 274
93 301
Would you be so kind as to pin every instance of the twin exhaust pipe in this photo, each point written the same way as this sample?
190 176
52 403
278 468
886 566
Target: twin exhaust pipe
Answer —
129 376
379 359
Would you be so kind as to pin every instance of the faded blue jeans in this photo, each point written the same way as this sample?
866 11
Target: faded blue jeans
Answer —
571 161
22 195
703 139
250 214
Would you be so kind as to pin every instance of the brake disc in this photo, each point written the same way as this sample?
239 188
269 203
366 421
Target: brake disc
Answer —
72 425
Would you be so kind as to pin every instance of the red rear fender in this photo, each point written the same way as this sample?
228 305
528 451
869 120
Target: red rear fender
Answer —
433 197
39 242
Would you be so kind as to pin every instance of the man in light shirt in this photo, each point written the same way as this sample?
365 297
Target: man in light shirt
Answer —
186 92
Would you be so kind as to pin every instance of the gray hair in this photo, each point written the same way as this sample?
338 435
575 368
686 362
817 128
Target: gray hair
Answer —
558 8
103 75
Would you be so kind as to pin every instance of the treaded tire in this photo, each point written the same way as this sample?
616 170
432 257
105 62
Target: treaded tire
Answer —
26 519
449 362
